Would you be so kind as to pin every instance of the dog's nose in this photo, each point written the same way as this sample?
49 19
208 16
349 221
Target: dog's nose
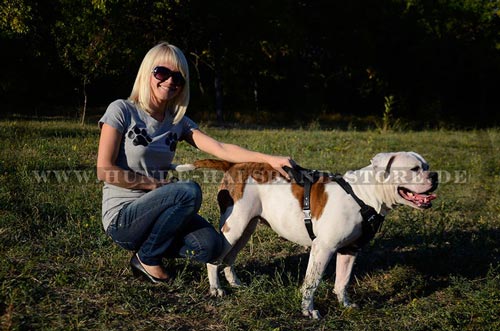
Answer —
433 176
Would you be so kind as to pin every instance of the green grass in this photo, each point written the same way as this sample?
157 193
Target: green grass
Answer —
432 270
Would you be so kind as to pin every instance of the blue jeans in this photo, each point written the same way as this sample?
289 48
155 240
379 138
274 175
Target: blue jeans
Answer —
164 223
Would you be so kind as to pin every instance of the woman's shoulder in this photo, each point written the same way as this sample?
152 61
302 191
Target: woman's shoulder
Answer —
119 114
186 120
123 108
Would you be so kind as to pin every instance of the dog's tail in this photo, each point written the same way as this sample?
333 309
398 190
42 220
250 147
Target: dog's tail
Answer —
206 164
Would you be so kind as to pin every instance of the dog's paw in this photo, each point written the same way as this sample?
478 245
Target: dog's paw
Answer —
235 283
344 300
217 292
312 314
233 280
346 303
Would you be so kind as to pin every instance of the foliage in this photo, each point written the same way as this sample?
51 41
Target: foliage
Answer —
15 17
388 121
438 58
432 270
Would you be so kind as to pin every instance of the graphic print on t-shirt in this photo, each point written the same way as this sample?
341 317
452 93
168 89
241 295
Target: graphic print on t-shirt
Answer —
139 136
171 140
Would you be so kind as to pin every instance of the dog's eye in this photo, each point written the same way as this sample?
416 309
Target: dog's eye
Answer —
416 169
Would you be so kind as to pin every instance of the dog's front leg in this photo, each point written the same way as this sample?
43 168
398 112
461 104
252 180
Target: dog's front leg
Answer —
343 270
235 239
318 260
213 271
213 279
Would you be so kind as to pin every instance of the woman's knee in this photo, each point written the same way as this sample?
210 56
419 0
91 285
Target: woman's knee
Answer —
191 192
204 244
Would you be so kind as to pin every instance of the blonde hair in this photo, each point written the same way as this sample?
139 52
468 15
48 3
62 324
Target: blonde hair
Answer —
141 91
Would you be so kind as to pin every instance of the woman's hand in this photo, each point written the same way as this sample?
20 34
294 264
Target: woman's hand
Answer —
278 162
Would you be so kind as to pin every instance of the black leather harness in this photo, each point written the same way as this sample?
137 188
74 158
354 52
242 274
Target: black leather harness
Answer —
372 221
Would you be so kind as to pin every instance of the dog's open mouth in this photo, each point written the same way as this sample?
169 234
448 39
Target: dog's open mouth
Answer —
421 200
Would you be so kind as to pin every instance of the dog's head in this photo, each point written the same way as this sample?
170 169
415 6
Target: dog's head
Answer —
407 176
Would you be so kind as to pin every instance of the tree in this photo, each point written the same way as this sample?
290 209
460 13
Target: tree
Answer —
83 41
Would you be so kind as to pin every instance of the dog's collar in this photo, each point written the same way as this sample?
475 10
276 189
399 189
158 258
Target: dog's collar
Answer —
372 221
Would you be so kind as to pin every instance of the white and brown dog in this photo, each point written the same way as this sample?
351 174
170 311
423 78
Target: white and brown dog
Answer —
253 191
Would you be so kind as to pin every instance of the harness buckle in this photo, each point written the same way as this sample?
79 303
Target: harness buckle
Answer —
307 213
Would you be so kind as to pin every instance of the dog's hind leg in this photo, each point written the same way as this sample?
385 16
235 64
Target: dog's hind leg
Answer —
343 270
236 235
229 259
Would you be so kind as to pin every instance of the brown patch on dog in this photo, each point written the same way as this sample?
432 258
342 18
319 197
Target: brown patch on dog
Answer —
225 228
236 175
235 178
318 196
262 172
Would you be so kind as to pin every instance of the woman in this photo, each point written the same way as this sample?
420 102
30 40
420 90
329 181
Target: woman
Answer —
142 210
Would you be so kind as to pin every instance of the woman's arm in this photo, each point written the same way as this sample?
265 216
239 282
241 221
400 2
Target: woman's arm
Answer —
109 172
236 154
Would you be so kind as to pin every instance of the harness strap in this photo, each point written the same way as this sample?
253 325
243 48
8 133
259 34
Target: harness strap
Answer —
306 178
372 221
347 187
307 209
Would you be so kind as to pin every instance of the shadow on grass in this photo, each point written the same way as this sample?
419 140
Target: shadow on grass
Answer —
468 254
435 259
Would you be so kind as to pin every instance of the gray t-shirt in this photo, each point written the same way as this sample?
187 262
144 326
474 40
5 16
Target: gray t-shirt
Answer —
147 148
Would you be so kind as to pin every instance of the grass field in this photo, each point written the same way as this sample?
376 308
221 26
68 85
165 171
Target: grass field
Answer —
432 270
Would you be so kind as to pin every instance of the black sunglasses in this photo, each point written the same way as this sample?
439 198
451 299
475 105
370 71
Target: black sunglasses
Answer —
163 73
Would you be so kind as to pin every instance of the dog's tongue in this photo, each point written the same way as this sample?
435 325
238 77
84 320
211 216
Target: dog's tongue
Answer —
420 199
423 198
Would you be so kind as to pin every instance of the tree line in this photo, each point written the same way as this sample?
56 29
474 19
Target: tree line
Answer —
436 60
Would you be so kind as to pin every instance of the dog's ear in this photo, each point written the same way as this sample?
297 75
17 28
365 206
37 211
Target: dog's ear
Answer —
383 162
